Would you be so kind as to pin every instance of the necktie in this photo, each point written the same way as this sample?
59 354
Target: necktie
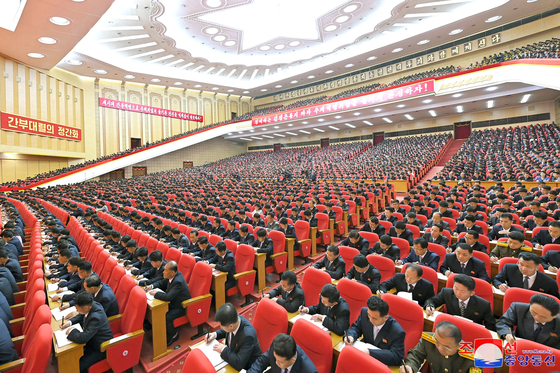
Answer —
537 331
410 288
229 338
462 267
463 308
375 332
525 282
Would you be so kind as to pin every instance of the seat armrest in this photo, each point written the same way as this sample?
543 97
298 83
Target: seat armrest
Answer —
115 318
12 365
304 240
17 306
278 255
19 320
117 341
237 276
191 301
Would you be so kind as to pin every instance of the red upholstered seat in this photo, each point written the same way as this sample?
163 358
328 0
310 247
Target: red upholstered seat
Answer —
348 254
352 360
302 233
409 315
323 227
385 266
279 256
355 294
483 289
197 361
315 342
428 274
270 320
245 276
313 281
521 295
372 238
527 345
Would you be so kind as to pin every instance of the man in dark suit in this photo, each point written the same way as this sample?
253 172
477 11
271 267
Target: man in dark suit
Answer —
156 272
288 230
504 228
355 241
421 255
380 330
95 326
436 236
245 237
171 288
8 352
8 285
411 282
241 346
388 215
525 274
551 260
462 261
373 226
539 220
332 310
537 321
282 357
207 252
364 273
225 262
217 227
332 263
264 244
467 225
410 218
290 291
180 240
547 236
8 235
102 294
400 230
461 301
386 248
231 232
471 239
11 264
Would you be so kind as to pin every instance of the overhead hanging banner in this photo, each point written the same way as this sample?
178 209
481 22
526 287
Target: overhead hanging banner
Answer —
121 105
11 122
375 97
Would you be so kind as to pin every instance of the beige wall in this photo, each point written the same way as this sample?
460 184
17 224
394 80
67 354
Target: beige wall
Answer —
20 166
208 151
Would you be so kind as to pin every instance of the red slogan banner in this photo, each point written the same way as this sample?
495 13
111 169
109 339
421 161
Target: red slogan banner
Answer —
350 103
121 105
11 122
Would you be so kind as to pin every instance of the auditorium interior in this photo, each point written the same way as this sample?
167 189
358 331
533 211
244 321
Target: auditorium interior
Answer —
182 182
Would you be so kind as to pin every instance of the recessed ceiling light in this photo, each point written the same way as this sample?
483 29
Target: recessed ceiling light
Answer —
331 28
215 88
278 86
155 80
342 19
100 71
264 90
178 83
427 101
356 114
129 76
408 116
377 110
401 105
371 58
334 128
291 133
229 133
490 104
321 120
294 43
318 130
490 89
456 31
36 55
230 43
457 95
387 120
493 19
197 86
432 113
329 71
293 82
311 77
368 123
460 109
246 91
47 40
350 8
211 30
264 129
256 138
305 122
338 117
279 135
251 130
60 21
231 90
267 136
290 124
349 125
264 47
279 46
397 50
421 42
306 132
276 127
219 38
74 62
525 98
349 65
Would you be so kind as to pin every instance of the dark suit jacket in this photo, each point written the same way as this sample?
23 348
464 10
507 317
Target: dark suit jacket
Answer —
390 338
362 245
335 269
226 264
478 309
247 240
182 241
477 246
267 247
406 235
7 351
379 230
175 292
518 315
551 258
370 278
530 224
208 254
153 275
15 268
96 329
474 268
392 253
510 273
441 240
494 235
422 291
231 235
219 230
430 259
292 301
338 317
462 228
303 363
106 297
543 237
244 348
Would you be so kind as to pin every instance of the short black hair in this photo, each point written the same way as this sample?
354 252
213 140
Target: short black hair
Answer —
474 233
420 241
221 246
526 256
465 280
415 267
333 249
449 330
261 232
93 280
547 302
65 253
385 239
506 216
83 299
400 225
85 266
517 236
156 256
226 315
360 261
289 276
465 246
202 240
330 292
377 304
284 346
141 251
75 260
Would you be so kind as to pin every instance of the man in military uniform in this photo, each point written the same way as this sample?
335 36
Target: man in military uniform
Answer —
510 248
441 351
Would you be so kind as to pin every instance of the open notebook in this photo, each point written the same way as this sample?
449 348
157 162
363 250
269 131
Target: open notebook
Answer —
307 317
62 338
361 345
59 315
214 356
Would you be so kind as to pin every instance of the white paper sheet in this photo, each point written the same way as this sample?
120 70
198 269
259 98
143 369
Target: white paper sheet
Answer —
62 338
433 317
405 295
61 294
214 356
59 315
307 317
497 291
361 345
52 287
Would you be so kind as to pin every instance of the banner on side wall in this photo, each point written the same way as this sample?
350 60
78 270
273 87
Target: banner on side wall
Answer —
17 123
121 105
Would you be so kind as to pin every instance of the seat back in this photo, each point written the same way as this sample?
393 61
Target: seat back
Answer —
123 291
42 316
201 279
231 245
355 294
482 288
302 230
270 320
521 295
134 312
428 274
439 250
348 254
385 266
315 342
352 360
527 345
163 247
403 245
322 221
116 277
186 265
313 281
197 361
110 265
415 230
214 239
38 354
409 315
548 247
151 244
470 330
244 258
278 240
173 254
372 238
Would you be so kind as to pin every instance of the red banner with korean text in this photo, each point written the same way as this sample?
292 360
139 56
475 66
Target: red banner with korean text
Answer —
121 105
372 98
11 122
